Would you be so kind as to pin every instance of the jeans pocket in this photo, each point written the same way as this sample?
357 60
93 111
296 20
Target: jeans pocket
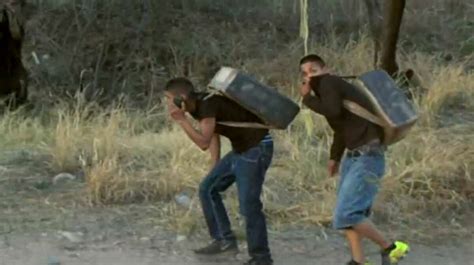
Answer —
374 166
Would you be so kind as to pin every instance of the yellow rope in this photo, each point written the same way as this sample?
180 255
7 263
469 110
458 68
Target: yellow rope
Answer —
305 114
304 29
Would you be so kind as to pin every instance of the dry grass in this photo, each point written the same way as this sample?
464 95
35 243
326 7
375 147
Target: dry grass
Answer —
131 155
126 158
122 161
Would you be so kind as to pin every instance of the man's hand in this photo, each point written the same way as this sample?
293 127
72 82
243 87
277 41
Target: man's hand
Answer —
305 89
333 167
176 113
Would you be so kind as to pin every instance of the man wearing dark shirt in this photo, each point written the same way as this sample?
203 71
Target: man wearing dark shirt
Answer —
364 164
246 164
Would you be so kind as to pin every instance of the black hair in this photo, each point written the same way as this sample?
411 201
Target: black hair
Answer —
180 83
314 59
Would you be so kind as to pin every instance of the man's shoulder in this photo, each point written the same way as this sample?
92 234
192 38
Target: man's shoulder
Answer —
336 82
209 103
328 82
212 100
333 79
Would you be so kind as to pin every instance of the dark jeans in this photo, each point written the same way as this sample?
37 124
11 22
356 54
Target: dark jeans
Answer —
248 171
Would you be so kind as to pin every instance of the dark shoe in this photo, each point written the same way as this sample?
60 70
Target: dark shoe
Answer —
259 262
352 262
218 247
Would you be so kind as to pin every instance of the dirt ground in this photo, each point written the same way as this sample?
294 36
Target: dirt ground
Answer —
42 223
292 248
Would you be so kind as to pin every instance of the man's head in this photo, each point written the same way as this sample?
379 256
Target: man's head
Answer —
180 89
312 65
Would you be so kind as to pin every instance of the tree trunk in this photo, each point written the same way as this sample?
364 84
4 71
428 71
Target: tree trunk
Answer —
393 13
375 25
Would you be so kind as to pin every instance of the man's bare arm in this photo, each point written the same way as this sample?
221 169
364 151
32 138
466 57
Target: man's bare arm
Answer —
215 150
203 137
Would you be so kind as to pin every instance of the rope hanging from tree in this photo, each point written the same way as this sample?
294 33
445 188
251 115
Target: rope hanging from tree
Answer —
304 29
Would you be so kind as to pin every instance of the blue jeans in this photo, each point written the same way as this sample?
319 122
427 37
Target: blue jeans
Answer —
248 170
357 189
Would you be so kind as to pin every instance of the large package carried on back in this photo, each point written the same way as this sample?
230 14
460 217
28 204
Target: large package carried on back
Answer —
393 110
274 109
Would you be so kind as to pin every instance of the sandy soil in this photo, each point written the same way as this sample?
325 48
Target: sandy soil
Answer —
290 248
48 224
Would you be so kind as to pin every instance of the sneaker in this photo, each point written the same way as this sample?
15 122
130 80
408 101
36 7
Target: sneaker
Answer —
395 253
218 247
255 261
352 262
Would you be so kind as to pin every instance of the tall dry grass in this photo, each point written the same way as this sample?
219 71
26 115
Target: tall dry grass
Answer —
123 161
131 156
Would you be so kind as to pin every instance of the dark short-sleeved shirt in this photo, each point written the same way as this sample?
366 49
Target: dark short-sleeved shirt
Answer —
224 109
350 130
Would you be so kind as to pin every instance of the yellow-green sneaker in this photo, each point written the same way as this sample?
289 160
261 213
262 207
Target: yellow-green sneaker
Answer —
395 253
